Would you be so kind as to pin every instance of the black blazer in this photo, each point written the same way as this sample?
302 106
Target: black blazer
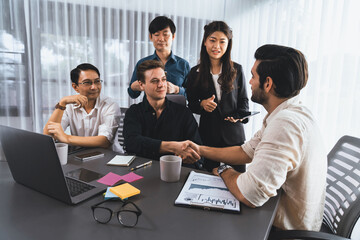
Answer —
214 130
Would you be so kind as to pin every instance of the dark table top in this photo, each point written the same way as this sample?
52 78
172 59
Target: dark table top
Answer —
27 214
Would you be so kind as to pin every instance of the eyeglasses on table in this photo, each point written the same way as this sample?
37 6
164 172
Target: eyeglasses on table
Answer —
127 215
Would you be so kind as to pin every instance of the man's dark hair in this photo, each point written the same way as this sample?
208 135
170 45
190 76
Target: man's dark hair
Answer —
286 66
75 73
147 65
161 22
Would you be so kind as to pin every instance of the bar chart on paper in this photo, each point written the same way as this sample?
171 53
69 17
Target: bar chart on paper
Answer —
203 190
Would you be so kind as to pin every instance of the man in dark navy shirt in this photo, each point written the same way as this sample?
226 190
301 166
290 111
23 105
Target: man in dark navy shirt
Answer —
162 33
156 126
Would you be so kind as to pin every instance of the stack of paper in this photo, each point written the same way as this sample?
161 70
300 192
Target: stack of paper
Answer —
125 190
207 192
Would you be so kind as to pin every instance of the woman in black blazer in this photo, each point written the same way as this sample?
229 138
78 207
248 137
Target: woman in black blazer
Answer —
216 90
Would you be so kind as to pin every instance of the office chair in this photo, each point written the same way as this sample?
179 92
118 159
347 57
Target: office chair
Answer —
342 203
177 98
121 126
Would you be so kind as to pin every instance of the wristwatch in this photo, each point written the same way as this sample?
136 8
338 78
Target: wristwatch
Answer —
222 168
58 106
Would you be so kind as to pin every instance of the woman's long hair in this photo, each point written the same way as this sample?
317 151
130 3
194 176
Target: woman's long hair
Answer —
228 73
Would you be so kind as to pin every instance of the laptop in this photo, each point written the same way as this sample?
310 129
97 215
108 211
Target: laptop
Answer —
34 163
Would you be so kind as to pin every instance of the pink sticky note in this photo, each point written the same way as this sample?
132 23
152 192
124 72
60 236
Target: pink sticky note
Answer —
110 179
131 177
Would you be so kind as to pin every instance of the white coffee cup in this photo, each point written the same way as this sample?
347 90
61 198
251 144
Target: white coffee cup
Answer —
62 151
170 168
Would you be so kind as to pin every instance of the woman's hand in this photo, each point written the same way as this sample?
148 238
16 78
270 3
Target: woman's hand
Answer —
208 104
233 120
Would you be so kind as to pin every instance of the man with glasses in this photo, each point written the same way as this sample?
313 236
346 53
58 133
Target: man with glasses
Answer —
156 126
93 119
162 33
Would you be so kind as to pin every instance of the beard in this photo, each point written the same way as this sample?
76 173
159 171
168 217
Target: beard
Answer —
258 96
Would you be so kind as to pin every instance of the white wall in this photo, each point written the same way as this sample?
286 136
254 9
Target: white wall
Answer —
186 8
328 33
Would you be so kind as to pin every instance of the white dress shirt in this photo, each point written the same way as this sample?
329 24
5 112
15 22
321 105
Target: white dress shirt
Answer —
217 86
103 120
287 153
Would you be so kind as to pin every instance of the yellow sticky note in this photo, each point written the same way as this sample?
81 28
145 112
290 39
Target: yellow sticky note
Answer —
125 190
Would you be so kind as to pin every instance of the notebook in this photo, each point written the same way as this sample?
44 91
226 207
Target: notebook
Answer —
34 163
120 160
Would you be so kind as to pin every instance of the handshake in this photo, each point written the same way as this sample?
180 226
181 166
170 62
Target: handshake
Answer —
187 150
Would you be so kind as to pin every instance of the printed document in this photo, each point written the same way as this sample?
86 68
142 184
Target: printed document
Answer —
207 191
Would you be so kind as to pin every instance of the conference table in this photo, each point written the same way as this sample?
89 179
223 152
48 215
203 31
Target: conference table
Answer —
27 214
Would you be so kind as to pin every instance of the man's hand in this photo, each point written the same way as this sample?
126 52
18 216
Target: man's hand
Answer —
135 86
172 88
189 144
215 172
187 154
79 100
192 149
208 104
56 131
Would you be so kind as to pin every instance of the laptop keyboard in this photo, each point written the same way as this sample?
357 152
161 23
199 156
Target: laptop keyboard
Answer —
76 187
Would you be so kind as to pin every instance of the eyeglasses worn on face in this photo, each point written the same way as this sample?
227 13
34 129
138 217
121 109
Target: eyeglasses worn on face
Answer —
90 83
127 215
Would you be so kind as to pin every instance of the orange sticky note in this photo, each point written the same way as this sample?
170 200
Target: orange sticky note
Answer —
125 190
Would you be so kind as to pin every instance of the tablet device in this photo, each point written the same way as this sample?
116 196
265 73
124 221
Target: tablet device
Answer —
250 114
84 175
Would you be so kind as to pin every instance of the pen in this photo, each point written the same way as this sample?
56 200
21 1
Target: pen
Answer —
141 165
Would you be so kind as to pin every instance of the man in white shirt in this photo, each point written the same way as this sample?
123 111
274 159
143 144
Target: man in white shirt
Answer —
93 119
286 153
